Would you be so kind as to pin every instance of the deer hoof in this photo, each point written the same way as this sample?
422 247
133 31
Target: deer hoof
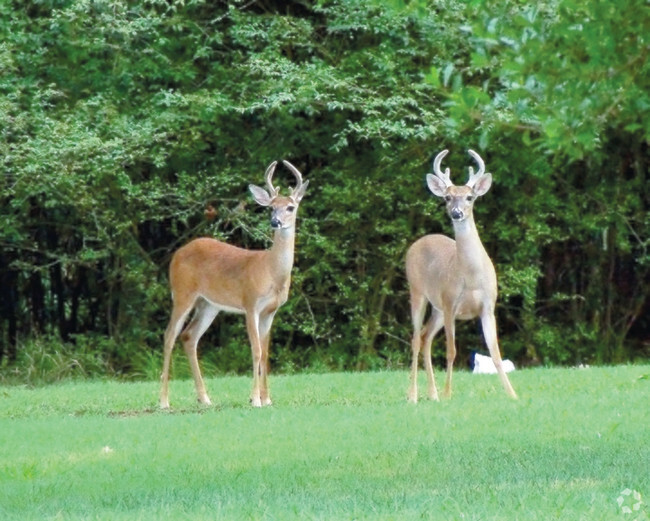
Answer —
204 400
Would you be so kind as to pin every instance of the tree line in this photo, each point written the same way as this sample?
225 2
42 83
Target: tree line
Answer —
128 128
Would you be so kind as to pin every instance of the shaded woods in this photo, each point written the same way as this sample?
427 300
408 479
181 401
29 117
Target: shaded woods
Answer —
122 122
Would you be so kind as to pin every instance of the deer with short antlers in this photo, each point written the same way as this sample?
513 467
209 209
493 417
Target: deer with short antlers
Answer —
209 276
456 277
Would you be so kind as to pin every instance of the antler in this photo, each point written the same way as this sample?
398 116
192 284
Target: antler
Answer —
473 177
296 174
444 177
268 176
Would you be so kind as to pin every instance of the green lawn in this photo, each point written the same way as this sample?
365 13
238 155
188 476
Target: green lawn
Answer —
334 446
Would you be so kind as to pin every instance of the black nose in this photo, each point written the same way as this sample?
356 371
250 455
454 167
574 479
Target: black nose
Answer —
275 222
456 213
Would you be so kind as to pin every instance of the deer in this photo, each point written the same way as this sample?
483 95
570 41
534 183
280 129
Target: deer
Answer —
209 276
456 277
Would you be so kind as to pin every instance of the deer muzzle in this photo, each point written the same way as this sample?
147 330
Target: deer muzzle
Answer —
456 214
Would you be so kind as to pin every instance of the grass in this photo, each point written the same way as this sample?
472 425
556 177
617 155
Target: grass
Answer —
334 446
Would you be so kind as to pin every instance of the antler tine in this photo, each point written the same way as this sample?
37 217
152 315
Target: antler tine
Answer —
473 177
296 174
268 177
444 177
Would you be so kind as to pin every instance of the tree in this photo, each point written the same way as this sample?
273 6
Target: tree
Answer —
122 122
566 83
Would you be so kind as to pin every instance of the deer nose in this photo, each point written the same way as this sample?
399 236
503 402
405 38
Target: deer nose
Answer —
275 222
456 214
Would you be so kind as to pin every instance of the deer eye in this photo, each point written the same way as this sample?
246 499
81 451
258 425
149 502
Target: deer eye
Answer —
447 198
290 208
470 198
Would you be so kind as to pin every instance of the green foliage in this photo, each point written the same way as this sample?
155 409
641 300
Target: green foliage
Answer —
335 446
559 92
45 361
121 122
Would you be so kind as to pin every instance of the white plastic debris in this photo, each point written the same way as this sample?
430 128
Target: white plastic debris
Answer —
485 365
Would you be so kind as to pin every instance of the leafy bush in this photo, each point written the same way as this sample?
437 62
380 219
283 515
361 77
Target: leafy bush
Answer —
121 123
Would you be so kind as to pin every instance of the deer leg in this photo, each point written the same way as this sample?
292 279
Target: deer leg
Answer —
252 325
179 314
434 325
450 337
265 339
203 317
489 325
418 308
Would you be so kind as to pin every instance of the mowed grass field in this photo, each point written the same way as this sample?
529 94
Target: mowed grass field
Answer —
333 446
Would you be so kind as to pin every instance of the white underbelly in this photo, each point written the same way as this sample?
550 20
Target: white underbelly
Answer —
222 307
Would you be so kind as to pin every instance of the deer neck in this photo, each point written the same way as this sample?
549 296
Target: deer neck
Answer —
281 253
470 252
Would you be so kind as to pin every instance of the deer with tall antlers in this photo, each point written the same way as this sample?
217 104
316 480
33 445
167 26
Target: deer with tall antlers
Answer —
209 276
456 277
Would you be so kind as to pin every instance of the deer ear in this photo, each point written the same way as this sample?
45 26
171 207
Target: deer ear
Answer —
436 185
260 195
482 184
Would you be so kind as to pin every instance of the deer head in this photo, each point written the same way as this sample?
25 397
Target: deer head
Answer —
284 208
459 199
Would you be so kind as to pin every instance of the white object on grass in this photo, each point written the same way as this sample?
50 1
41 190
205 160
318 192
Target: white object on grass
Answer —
484 365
